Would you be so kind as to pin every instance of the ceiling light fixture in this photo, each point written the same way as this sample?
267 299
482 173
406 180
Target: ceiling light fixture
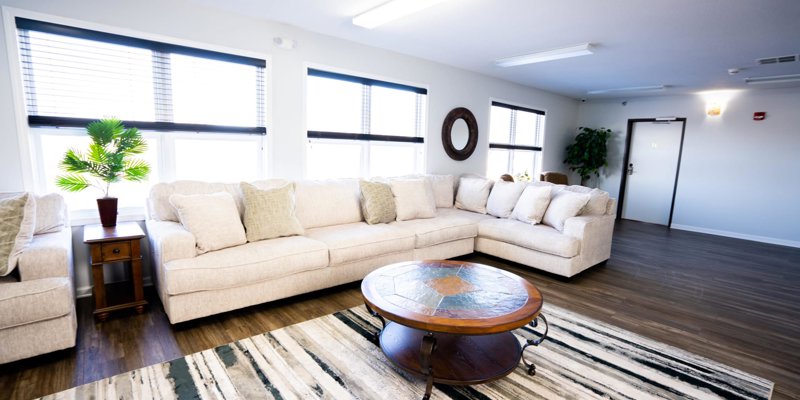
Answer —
773 79
550 55
391 11
635 89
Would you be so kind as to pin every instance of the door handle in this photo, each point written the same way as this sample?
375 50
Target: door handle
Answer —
630 169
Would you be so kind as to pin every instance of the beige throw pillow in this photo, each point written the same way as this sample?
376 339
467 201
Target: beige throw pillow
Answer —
213 219
377 202
17 223
564 204
413 198
532 204
473 193
503 197
269 213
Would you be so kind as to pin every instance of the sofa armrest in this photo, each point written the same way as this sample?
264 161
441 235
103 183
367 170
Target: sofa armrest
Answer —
170 241
595 233
48 255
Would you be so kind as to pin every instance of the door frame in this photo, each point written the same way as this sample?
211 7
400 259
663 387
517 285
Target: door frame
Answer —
626 158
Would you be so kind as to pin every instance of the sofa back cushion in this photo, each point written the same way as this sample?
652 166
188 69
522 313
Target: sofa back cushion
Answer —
160 209
328 202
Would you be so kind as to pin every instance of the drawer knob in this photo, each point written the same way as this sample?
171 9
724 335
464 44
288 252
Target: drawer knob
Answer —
115 251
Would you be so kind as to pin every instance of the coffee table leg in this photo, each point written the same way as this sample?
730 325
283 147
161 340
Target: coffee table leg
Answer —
383 323
425 352
534 342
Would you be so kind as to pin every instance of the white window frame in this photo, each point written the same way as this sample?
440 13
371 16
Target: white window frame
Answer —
421 151
537 168
32 171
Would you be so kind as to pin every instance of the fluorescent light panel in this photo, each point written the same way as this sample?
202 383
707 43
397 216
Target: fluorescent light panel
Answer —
391 11
773 79
550 55
656 88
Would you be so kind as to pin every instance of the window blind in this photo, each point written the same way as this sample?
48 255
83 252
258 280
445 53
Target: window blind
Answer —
73 76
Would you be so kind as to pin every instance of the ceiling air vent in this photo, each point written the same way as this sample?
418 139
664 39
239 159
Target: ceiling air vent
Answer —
777 60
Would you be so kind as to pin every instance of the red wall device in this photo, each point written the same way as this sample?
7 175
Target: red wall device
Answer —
759 115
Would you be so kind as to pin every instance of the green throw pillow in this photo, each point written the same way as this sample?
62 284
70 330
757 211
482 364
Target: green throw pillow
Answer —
377 202
269 213
17 222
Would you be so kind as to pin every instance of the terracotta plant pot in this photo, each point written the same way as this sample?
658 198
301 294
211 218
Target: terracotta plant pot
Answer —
107 207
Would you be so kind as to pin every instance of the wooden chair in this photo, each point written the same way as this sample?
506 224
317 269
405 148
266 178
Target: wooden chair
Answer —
554 177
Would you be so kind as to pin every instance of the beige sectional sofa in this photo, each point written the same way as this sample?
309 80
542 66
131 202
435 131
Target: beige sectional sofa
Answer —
338 247
37 300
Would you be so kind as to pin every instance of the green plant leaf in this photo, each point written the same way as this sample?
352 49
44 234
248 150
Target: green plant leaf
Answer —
107 157
72 182
136 170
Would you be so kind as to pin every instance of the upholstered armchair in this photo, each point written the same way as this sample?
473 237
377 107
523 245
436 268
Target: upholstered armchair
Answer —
37 299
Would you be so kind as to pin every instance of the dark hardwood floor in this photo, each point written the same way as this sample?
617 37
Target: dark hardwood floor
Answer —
734 301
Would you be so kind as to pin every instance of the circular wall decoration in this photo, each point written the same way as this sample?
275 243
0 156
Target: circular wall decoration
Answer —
449 135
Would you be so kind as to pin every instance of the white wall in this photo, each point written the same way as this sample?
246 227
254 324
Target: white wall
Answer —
448 87
738 177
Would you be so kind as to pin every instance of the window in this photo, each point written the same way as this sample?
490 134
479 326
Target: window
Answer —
201 111
363 127
515 141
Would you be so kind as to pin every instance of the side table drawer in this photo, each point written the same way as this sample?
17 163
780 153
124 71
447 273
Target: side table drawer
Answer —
116 251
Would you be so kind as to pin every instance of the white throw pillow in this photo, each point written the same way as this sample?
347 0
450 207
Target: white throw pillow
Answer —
598 199
532 204
443 189
413 198
49 214
17 223
473 193
564 204
504 197
213 219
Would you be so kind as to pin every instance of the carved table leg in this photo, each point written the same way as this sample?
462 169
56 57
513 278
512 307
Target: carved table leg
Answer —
383 323
425 352
534 342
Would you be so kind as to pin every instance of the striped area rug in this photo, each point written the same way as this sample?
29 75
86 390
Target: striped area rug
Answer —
333 357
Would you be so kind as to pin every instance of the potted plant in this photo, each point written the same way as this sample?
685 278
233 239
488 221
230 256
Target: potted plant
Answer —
589 152
109 159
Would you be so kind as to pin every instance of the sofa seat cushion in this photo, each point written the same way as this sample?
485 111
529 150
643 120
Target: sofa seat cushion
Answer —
442 229
472 216
535 237
23 303
244 264
359 241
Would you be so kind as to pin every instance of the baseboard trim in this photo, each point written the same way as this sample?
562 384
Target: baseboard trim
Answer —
736 235
86 291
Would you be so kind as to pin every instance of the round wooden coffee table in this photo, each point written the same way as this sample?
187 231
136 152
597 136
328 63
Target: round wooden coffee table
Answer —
450 321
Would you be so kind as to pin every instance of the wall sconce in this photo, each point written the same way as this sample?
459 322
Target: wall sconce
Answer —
717 100
713 109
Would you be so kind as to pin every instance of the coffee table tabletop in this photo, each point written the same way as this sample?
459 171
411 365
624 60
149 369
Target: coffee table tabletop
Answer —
452 297
450 322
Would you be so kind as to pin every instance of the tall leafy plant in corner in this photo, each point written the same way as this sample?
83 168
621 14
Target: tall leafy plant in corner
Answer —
110 158
589 152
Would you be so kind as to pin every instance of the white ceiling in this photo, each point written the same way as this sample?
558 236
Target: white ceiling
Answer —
688 45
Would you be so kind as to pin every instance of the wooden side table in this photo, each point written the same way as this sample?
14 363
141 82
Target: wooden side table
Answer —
110 245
